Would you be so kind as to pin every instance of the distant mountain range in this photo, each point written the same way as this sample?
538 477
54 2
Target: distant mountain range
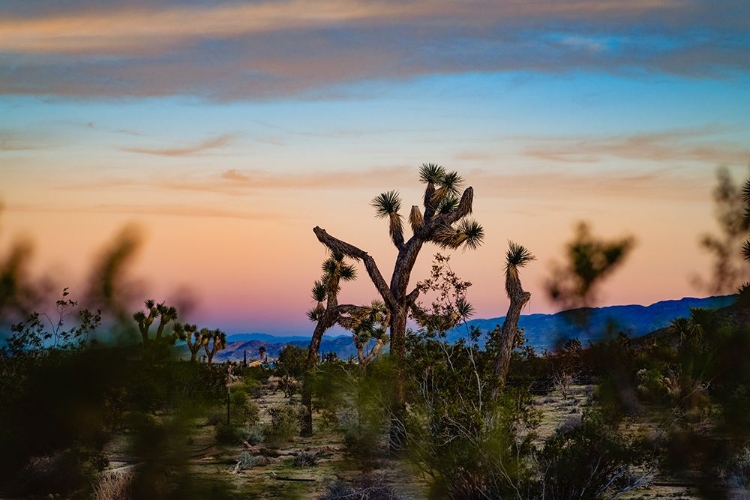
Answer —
543 331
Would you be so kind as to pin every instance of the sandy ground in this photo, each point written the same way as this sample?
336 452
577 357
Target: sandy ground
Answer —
281 479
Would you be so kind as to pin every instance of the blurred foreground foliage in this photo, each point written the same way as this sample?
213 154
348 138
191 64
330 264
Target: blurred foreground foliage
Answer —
64 395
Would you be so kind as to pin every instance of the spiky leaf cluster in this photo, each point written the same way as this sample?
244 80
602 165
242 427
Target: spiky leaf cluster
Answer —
442 220
335 270
746 200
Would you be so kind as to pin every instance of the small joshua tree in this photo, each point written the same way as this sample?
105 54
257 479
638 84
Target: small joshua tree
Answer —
164 313
216 339
196 339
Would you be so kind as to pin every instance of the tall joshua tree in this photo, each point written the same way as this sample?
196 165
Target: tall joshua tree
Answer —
443 222
516 257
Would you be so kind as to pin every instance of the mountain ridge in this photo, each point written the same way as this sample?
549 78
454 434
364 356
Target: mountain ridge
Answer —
542 331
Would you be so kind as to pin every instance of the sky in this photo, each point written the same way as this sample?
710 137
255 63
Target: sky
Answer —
225 131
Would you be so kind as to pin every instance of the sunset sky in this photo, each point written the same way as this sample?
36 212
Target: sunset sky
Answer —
227 130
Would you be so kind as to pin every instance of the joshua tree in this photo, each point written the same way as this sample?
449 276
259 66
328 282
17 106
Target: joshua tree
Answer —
195 339
444 223
516 257
216 339
144 320
335 270
731 202
590 261
262 353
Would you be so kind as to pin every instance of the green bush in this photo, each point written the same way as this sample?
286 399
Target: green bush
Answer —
242 410
591 461
252 435
285 424
229 434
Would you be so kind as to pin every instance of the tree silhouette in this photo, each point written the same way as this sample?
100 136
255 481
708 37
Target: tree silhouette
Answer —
165 313
335 270
590 261
196 339
731 204
444 222
516 257
216 339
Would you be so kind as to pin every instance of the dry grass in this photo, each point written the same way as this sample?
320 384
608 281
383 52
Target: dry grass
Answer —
113 485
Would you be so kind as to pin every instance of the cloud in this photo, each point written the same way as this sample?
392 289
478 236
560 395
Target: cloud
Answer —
557 186
237 182
150 210
549 186
693 144
216 142
268 49
14 141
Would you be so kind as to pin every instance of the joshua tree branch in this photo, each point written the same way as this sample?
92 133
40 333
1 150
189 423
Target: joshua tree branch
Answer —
338 246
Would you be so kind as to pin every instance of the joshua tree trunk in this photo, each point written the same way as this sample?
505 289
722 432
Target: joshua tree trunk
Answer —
327 321
509 334
516 257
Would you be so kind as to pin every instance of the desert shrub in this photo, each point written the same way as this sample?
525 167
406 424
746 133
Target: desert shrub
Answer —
113 486
306 459
247 461
216 417
471 444
654 386
62 471
591 461
364 417
366 488
285 424
252 435
229 434
242 410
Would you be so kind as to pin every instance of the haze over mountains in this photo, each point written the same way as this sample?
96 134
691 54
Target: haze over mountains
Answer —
542 331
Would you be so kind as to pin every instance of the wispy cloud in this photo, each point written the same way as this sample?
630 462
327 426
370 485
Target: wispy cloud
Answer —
229 50
551 185
556 186
13 141
236 182
694 144
213 143
151 210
